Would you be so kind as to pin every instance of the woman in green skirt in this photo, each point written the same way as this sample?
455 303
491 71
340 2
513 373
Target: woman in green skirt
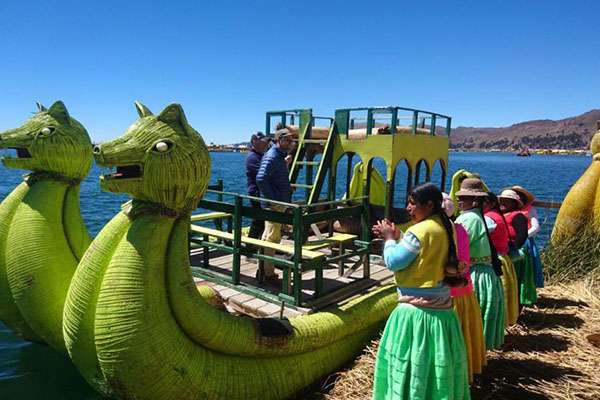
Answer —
422 352
486 282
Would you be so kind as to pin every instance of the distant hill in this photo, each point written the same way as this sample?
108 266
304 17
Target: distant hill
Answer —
572 133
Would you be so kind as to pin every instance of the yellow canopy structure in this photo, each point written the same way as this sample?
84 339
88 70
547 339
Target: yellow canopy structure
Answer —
359 177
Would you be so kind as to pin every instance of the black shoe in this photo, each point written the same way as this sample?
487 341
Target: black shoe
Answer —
260 275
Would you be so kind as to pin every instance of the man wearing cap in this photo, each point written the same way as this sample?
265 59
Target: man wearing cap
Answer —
274 184
259 143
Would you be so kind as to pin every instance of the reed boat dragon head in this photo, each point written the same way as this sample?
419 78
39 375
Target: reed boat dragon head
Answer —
50 142
160 159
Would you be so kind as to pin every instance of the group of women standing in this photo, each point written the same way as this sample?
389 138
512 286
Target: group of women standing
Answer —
463 271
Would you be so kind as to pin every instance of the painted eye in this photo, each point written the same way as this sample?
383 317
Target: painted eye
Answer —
163 146
47 131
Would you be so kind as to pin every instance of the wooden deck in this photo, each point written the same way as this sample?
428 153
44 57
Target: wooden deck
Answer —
336 289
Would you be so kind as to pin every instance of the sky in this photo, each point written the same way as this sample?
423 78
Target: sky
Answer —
489 63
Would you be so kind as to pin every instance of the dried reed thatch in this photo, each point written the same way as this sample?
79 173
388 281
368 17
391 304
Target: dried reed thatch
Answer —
573 256
550 354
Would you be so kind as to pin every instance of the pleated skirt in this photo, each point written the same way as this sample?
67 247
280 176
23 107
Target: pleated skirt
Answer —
490 295
524 269
536 262
511 290
469 315
421 356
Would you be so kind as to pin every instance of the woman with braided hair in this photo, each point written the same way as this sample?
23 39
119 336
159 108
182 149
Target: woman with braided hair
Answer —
422 351
486 279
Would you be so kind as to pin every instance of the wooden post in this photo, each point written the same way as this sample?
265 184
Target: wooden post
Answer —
237 240
365 235
297 259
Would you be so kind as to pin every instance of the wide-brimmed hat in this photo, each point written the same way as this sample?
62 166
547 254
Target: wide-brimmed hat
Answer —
511 194
471 187
519 189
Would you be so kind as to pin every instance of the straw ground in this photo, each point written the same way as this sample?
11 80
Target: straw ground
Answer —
552 353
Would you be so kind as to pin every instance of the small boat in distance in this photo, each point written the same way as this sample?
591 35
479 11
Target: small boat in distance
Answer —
523 152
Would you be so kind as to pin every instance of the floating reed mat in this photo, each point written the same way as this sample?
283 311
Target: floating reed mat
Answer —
547 355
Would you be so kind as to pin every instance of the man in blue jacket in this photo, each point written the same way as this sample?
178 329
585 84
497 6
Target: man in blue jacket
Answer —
274 184
259 143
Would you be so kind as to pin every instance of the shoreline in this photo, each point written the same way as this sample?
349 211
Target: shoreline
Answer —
542 152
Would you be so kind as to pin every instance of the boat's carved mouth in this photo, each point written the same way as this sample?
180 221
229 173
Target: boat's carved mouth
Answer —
22 152
121 172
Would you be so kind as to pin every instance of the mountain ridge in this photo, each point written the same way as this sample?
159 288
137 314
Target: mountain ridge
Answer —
571 133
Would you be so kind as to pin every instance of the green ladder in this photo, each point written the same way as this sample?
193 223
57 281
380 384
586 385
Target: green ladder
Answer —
306 159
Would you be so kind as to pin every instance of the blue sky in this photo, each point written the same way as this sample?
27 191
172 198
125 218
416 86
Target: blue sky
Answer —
487 63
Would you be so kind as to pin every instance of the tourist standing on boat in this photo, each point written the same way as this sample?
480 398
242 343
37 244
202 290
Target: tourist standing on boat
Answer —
422 351
500 239
486 282
274 184
465 303
259 143
510 205
534 228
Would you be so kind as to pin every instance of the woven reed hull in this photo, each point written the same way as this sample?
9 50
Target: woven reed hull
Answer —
137 326
580 210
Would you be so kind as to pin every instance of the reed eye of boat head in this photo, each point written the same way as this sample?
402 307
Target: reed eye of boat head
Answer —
163 146
47 131
49 142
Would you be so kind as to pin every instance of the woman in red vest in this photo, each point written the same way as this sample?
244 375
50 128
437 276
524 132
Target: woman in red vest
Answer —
533 226
510 204
500 239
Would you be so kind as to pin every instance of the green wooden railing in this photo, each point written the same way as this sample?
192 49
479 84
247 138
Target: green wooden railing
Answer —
418 118
300 217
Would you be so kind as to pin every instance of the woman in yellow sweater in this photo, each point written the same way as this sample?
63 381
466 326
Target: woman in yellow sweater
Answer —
422 352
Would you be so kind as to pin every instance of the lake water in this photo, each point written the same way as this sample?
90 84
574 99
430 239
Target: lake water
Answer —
30 371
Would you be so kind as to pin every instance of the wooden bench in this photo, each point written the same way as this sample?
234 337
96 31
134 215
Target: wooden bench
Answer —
315 260
338 239
210 216
283 248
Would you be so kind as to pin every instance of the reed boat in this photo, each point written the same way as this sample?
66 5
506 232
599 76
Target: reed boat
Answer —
42 233
164 304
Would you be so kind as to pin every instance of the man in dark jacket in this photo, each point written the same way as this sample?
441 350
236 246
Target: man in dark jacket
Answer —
259 143
274 184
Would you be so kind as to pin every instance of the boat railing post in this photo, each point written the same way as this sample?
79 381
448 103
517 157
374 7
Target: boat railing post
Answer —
369 122
298 234
394 120
219 189
365 235
432 127
237 239
415 122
